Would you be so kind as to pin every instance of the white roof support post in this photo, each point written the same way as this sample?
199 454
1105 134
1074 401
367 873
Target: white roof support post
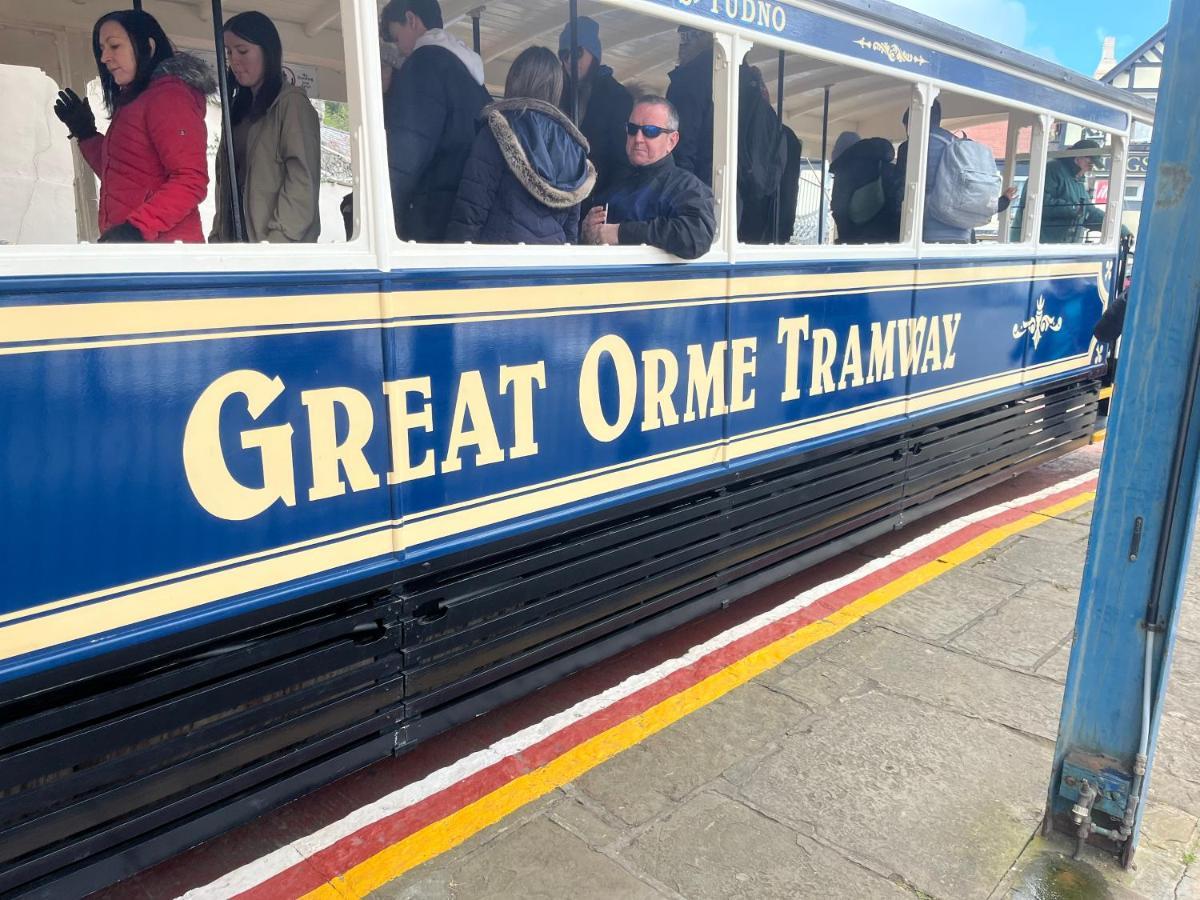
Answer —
1116 188
1011 148
1035 187
729 50
915 174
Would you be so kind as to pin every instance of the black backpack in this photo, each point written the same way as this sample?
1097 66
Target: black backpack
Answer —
762 148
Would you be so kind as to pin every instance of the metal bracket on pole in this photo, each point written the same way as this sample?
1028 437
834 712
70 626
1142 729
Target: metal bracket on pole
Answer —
235 202
1146 501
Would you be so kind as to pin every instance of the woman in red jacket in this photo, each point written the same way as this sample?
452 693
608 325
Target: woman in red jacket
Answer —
152 161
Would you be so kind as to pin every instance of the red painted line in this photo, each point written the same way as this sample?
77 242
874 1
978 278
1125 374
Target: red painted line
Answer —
369 840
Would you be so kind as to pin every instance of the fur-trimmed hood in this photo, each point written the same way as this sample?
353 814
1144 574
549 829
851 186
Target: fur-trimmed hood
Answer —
544 150
189 69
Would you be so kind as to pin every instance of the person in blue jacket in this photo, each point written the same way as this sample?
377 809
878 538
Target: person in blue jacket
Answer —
528 170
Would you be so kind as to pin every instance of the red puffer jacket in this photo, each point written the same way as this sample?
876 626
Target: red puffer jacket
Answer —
152 162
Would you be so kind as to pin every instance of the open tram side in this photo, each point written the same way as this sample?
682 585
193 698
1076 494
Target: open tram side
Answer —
273 513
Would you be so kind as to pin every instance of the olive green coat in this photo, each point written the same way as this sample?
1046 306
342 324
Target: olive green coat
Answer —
283 175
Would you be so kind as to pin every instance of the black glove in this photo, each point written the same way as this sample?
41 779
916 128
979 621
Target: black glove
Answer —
76 114
122 234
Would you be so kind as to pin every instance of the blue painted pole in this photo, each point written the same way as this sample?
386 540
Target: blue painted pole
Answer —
1146 502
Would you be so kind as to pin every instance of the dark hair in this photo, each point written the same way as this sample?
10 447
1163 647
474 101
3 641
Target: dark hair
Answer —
536 73
261 31
428 11
935 115
143 30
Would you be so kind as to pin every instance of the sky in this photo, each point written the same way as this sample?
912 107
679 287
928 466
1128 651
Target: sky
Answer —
1068 32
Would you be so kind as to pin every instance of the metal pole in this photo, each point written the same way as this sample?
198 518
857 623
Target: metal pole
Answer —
1146 499
235 202
137 4
779 111
475 29
574 10
824 165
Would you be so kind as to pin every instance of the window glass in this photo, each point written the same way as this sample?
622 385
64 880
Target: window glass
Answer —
828 173
462 184
152 176
983 144
1075 196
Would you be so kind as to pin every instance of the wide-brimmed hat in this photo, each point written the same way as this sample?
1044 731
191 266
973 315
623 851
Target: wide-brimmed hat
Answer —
1088 144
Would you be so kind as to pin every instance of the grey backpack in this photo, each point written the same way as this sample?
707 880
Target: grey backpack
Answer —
967 186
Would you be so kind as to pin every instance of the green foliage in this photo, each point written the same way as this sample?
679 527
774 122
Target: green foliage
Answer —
337 115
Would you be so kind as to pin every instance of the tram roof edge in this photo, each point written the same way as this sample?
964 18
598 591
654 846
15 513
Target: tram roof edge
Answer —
886 13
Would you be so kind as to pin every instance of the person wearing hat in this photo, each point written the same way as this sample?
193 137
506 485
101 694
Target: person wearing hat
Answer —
276 143
604 103
1068 212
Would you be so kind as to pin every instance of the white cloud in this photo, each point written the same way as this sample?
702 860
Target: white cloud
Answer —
1005 21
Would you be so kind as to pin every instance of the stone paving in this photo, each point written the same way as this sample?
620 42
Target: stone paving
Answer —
908 756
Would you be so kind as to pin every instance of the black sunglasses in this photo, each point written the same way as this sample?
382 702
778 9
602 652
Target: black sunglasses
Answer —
650 131
565 53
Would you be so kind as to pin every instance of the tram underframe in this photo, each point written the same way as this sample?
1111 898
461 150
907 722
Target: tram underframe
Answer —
122 761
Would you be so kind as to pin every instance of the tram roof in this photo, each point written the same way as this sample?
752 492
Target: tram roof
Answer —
886 13
311 32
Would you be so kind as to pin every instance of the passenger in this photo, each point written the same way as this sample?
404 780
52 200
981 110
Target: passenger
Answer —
604 103
1068 212
934 231
529 169
761 216
152 161
657 203
789 188
690 92
862 170
276 143
429 114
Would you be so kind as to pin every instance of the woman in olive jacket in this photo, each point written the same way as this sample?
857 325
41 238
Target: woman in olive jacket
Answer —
276 142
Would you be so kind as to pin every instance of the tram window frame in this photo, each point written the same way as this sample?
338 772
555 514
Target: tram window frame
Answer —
409 254
1115 145
906 246
360 61
1018 118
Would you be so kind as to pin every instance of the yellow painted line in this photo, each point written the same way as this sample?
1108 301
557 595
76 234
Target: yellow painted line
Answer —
1099 436
454 829
1106 392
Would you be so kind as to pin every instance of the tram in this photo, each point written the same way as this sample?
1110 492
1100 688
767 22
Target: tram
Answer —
269 513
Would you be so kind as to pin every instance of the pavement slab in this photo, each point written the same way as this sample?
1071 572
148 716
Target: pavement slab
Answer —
1020 633
942 801
538 860
954 681
1032 559
944 606
1046 870
715 848
1055 666
641 782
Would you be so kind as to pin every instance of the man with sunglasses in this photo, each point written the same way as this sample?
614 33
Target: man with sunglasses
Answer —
657 203
604 103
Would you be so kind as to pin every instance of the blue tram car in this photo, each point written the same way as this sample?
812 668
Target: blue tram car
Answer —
270 513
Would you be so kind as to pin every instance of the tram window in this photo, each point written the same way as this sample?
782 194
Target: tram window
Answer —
59 192
835 154
454 183
1000 144
1075 195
